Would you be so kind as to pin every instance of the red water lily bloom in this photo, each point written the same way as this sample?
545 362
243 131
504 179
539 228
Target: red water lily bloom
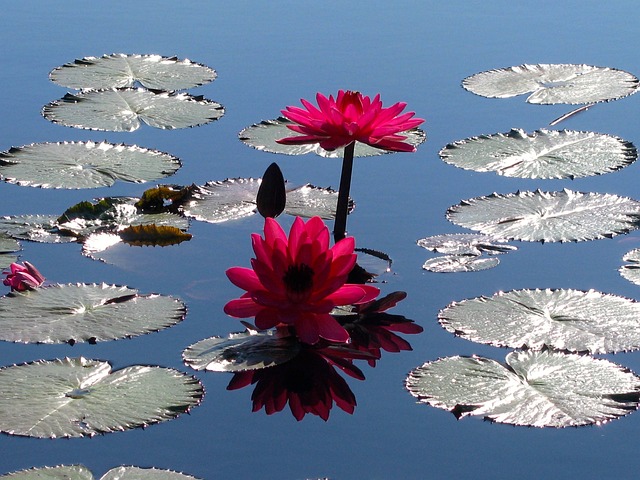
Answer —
23 277
298 280
336 123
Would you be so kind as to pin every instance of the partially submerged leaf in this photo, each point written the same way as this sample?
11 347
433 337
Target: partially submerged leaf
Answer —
631 271
91 313
548 216
122 110
83 164
538 389
120 70
459 263
263 136
77 397
241 351
562 319
554 83
542 154
153 235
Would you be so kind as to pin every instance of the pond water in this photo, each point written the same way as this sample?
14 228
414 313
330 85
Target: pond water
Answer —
269 55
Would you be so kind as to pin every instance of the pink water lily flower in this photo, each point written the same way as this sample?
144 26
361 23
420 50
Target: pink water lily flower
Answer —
298 280
350 117
23 277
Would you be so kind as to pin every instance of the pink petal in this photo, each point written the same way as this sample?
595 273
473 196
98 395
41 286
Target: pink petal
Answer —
244 278
243 307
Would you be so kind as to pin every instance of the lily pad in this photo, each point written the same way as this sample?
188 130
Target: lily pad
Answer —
534 388
554 83
35 228
548 216
631 271
7 247
263 136
84 313
465 244
77 397
240 351
563 319
119 70
80 472
83 164
543 154
460 263
235 198
122 110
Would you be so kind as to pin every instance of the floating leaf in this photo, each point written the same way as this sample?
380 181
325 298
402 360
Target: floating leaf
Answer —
554 83
240 351
153 235
538 389
548 216
163 198
465 244
36 228
122 110
84 313
77 397
543 154
263 136
632 271
137 473
560 319
83 164
235 198
119 70
7 246
460 263
80 472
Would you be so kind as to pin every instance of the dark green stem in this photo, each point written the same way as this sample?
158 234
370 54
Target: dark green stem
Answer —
340 226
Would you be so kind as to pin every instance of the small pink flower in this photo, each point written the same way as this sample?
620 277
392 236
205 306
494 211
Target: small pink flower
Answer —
23 277
298 280
350 117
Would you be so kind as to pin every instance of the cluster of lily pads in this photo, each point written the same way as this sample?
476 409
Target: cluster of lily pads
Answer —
551 379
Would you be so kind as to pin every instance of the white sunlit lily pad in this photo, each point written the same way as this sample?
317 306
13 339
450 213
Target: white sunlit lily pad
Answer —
542 154
7 247
631 271
235 198
538 216
83 164
119 70
80 472
77 397
534 388
564 319
123 110
84 313
554 83
35 228
240 351
465 244
460 263
263 136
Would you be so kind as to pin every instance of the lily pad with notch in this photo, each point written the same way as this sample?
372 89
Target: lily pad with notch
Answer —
263 136
562 216
542 154
533 388
83 164
561 319
119 70
73 313
554 83
123 110
78 397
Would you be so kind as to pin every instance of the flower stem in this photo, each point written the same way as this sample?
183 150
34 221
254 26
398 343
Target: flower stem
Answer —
340 226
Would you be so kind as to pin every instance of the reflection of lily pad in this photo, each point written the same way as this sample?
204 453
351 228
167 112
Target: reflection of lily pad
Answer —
240 351
560 319
263 136
76 397
235 198
465 244
538 389
459 263
122 110
543 154
84 313
548 216
83 164
554 83
119 70
80 472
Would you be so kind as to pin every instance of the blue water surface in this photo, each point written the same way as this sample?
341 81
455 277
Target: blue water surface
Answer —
269 55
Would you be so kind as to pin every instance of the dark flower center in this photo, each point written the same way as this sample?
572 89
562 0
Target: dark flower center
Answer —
299 281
